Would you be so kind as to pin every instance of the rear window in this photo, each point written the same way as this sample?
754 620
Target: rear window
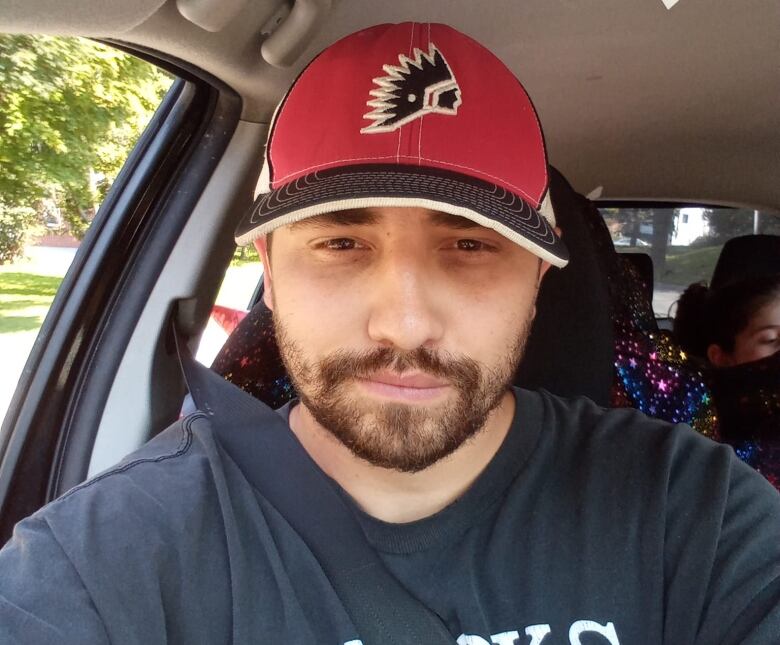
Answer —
683 241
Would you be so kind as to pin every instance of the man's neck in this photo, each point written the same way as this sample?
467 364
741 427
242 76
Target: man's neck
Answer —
394 496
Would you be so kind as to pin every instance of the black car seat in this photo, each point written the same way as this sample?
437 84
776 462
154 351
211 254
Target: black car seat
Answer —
570 350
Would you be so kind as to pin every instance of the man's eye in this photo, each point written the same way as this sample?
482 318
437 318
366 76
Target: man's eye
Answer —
471 245
340 244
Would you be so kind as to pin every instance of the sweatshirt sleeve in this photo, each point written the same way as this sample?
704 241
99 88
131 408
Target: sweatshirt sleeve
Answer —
42 597
723 550
745 581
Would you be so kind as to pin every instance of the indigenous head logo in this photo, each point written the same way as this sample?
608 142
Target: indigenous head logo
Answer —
417 86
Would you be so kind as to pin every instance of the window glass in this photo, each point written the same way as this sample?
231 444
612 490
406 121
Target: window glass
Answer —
234 299
683 242
70 112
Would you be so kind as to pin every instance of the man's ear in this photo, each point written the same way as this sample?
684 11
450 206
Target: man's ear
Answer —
261 244
718 357
546 265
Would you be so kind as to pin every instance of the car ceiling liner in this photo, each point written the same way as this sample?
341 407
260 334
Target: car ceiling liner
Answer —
287 33
84 18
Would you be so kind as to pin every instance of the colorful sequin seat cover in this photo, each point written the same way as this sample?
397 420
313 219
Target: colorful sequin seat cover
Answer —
654 375
250 359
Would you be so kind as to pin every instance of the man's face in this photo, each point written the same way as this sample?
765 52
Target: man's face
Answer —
401 328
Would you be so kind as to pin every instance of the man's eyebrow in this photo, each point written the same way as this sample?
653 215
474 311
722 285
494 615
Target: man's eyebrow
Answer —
337 218
452 221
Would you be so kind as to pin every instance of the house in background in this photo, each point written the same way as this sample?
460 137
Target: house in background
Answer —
689 224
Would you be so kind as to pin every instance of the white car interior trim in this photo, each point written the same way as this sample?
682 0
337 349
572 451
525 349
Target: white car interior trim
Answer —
126 419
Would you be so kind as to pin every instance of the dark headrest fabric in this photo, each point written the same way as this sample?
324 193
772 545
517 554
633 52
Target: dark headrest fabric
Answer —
747 258
570 350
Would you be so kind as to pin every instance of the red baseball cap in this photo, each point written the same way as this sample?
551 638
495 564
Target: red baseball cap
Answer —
413 114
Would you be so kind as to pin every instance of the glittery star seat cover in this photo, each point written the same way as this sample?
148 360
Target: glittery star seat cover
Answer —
654 375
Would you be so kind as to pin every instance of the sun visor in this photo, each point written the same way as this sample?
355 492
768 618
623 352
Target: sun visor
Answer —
84 18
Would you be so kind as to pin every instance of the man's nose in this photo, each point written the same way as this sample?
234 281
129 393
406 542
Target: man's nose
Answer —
405 304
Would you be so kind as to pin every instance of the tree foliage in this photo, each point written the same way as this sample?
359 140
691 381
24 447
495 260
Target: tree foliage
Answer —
16 223
70 111
728 223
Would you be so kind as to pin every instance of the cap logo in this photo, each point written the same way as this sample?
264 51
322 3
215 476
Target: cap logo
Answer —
417 86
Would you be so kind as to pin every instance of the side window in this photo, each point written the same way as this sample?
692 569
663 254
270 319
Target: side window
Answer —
71 111
682 242
242 280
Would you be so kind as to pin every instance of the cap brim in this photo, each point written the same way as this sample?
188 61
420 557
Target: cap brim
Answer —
377 185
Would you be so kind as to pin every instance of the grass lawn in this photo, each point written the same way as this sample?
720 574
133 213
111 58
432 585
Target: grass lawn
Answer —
24 300
685 265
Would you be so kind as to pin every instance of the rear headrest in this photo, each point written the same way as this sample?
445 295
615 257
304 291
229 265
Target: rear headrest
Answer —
747 258
571 349
643 264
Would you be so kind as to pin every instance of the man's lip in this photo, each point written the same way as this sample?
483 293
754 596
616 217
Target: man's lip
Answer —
416 388
420 381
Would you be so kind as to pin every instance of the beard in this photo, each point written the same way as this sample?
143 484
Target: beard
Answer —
399 436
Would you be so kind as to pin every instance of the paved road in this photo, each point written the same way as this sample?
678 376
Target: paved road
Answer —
664 296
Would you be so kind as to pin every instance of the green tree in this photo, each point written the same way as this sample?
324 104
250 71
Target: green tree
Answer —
70 110
15 223
727 223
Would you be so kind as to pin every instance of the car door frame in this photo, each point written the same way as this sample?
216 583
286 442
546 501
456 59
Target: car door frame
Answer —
49 429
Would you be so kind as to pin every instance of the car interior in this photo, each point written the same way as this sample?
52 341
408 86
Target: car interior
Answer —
650 102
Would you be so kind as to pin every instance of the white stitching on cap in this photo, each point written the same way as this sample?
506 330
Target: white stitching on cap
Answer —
482 172
400 130
446 163
328 163
342 204
353 181
422 118
541 136
419 140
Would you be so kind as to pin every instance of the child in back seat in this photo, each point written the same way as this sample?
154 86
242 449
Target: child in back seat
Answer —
733 328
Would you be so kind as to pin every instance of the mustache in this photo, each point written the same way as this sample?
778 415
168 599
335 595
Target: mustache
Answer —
462 372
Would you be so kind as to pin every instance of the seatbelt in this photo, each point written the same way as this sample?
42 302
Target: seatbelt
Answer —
274 462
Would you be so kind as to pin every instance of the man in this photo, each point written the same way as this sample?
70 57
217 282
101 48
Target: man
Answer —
405 228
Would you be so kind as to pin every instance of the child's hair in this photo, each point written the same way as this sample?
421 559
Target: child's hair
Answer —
708 315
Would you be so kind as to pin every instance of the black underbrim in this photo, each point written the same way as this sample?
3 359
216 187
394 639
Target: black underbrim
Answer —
392 185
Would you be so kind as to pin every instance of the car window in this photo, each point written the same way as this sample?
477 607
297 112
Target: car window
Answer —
683 242
71 110
235 297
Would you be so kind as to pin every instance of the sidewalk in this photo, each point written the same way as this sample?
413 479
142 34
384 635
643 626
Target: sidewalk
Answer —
664 296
